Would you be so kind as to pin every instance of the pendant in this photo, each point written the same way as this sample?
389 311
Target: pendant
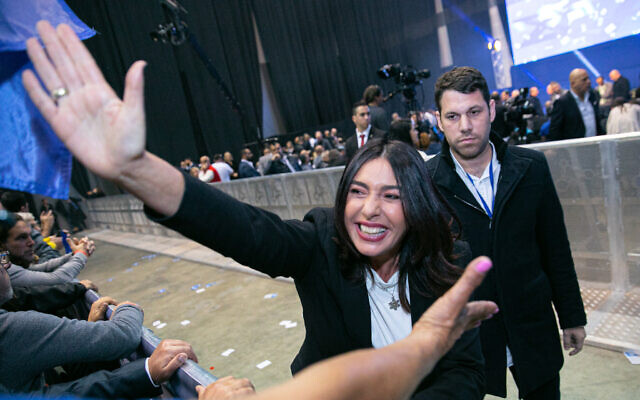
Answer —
394 304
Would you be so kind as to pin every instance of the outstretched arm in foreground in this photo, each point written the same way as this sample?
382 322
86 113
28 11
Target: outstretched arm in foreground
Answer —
393 372
105 133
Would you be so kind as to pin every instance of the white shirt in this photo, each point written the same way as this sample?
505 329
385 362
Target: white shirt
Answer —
365 133
224 170
483 184
588 116
387 325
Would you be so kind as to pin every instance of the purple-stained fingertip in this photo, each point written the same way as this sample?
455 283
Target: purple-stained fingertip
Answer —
484 266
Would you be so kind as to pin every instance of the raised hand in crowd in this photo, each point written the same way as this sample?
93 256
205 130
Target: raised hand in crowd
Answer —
46 222
83 245
103 132
170 355
99 308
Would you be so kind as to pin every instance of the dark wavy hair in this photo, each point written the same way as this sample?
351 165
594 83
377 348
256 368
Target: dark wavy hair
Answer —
7 221
426 251
400 130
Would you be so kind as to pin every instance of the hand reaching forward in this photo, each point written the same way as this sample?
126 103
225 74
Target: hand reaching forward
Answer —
226 388
102 131
451 315
99 308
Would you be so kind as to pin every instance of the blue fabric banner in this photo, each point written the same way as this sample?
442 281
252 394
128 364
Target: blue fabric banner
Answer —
32 158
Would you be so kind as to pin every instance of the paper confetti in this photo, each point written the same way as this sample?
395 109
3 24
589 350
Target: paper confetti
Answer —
176 259
162 290
135 264
128 270
200 290
227 352
162 325
156 323
634 358
185 322
263 364
195 287
271 296
110 280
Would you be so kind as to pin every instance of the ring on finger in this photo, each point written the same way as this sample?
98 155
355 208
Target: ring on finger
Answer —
57 94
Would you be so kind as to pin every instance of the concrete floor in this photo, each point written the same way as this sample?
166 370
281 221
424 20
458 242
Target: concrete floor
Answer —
246 313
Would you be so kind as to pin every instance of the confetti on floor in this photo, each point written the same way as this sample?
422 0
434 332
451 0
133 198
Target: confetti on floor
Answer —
110 280
162 325
263 364
128 270
176 259
271 296
185 322
200 290
162 290
156 322
195 287
135 264
227 352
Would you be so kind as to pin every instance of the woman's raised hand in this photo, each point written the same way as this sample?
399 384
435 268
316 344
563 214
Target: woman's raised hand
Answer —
105 133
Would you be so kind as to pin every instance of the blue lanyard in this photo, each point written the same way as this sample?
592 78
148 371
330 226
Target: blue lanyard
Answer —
493 196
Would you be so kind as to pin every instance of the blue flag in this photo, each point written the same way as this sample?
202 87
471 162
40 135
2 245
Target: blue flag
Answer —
32 158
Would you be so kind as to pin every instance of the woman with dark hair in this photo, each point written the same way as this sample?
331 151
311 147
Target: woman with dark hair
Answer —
405 131
624 117
365 270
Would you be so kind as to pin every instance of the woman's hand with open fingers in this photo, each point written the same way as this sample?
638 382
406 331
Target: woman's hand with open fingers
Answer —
102 131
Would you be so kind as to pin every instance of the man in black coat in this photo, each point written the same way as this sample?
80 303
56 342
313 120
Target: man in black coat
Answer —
621 85
361 117
246 169
576 114
508 209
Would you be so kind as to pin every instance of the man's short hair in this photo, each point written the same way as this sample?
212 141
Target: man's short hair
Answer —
357 104
464 80
217 157
13 201
370 93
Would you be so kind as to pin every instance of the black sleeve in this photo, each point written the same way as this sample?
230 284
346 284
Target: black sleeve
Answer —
45 298
251 236
458 375
130 382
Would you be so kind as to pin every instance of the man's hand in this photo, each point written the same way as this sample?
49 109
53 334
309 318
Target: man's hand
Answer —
170 355
225 389
573 338
99 308
451 315
46 222
89 285
85 245
105 133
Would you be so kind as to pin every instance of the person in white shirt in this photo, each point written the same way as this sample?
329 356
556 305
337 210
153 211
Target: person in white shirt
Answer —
223 169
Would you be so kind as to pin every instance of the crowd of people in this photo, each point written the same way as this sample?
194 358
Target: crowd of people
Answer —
383 276
610 107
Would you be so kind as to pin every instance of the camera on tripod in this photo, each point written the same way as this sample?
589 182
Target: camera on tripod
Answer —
406 78
519 112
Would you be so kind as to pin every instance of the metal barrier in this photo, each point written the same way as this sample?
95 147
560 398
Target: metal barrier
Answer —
598 183
183 383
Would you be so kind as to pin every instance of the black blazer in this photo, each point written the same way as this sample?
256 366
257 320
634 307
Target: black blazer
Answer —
527 241
127 382
336 311
566 120
351 146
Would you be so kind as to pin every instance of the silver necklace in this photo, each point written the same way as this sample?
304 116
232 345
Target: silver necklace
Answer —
394 304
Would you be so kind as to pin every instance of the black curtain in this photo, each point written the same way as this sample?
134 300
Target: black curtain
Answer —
322 54
187 115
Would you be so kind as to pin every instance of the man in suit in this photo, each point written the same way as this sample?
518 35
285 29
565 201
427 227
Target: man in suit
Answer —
576 113
509 211
246 168
361 117
621 86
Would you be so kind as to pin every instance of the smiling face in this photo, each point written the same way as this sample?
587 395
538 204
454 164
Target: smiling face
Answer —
465 120
374 217
20 245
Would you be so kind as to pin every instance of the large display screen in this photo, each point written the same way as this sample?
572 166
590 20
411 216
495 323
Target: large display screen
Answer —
543 28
